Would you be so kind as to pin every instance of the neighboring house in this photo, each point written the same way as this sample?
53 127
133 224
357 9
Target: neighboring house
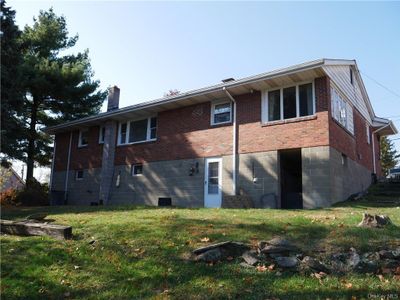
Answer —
10 179
305 136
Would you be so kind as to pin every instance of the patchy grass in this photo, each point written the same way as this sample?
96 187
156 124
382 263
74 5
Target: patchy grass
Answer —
139 253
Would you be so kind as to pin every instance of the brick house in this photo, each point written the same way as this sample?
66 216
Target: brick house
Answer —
300 137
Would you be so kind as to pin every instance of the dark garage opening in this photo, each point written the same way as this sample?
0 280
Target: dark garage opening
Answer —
291 178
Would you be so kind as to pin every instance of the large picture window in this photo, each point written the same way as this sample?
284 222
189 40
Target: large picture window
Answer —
137 131
288 102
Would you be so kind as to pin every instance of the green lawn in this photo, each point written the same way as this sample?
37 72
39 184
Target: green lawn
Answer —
141 252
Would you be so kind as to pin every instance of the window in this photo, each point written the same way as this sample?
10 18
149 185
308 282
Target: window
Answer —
351 75
83 138
274 105
137 170
78 174
221 113
288 103
342 111
102 133
153 128
368 133
137 131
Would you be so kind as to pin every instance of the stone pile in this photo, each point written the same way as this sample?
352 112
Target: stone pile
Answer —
280 254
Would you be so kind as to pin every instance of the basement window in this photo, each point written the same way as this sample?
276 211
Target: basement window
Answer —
102 133
78 174
137 170
221 113
137 131
288 103
83 138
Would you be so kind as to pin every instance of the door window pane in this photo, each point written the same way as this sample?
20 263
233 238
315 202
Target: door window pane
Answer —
138 131
305 99
289 103
213 178
274 105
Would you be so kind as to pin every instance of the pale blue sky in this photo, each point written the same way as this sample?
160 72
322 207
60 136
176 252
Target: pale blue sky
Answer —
147 48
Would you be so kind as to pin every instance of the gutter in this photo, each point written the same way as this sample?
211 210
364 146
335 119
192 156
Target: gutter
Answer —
234 142
373 144
194 93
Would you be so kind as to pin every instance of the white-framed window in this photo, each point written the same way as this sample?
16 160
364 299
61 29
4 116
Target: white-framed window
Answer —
137 131
342 111
79 175
83 138
221 112
102 133
288 102
137 170
368 133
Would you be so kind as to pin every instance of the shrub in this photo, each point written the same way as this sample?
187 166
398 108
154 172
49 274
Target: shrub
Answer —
9 197
34 194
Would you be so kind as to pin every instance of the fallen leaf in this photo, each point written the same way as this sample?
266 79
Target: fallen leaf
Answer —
271 267
348 285
381 278
229 258
397 271
386 271
396 277
261 268
76 267
205 239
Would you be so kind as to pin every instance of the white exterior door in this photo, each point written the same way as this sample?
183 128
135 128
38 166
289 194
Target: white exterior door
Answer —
213 182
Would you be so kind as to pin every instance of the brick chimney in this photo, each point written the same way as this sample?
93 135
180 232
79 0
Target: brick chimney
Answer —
113 98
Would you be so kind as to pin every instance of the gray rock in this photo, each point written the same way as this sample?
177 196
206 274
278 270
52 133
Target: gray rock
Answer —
390 264
287 262
366 266
396 253
277 245
250 257
383 254
234 249
209 247
353 260
374 221
314 264
37 217
246 265
212 255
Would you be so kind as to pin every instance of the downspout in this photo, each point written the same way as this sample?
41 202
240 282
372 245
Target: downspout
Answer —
68 161
373 145
234 142
52 166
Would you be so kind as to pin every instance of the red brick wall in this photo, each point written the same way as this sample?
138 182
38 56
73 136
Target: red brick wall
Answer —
355 147
186 133
181 133
81 158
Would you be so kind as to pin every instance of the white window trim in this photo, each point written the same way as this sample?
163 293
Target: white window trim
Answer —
349 114
80 145
76 175
101 134
264 102
218 102
128 126
133 170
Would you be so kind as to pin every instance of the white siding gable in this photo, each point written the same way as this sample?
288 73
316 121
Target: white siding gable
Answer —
340 76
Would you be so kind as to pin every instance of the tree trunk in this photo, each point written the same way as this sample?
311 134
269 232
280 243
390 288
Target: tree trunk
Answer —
31 141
